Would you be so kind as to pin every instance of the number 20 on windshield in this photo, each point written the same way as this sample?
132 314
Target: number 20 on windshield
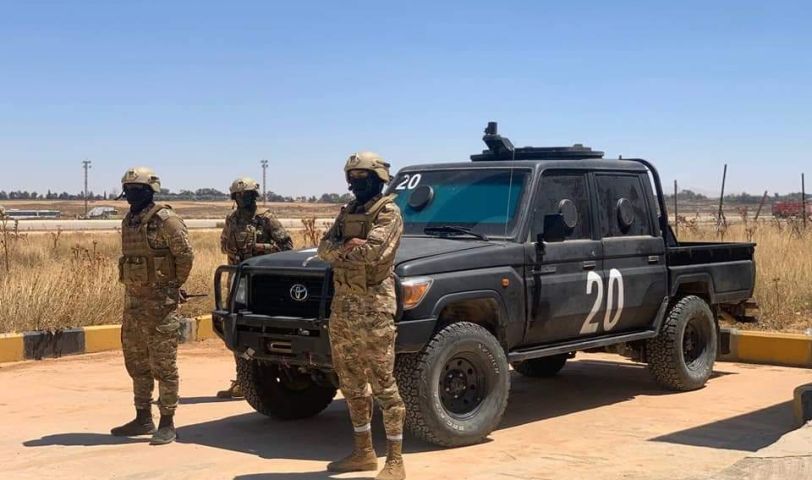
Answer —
610 321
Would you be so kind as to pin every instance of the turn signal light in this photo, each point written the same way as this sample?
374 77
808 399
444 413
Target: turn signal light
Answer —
413 290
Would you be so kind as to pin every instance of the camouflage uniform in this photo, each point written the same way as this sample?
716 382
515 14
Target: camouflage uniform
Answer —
156 260
362 324
246 234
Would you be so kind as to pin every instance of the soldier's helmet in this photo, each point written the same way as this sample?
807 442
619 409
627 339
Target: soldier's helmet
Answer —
143 176
368 161
244 184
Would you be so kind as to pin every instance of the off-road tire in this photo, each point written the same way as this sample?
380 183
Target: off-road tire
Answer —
419 376
268 391
541 367
666 352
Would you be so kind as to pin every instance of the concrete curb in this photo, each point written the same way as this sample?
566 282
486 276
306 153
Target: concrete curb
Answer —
15 347
771 348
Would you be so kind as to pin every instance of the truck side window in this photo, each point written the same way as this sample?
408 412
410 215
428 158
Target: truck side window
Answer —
556 187
622 205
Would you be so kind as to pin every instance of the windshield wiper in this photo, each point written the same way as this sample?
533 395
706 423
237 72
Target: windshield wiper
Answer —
453 229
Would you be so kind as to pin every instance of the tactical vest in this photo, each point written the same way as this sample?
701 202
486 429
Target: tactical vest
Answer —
141 265
242 235
358 278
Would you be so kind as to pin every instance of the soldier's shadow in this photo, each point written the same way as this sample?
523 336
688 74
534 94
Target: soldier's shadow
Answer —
324 437
83 440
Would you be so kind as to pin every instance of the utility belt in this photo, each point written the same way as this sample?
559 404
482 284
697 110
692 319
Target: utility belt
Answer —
143 270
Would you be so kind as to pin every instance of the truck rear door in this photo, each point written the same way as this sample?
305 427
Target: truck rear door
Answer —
634 266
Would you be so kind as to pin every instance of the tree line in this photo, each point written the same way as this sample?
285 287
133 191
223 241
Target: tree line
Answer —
205 194
735 198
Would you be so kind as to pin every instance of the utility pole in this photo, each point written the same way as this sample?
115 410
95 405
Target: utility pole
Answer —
264 164
86 165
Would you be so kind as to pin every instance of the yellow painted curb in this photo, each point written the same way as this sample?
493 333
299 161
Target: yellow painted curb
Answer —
11 347
204 328
102 337
788 349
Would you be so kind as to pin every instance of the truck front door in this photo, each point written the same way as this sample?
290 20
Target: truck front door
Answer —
559 288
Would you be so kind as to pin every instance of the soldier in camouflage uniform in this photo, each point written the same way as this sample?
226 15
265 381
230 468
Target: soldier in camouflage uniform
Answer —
361 247
156 261
248 233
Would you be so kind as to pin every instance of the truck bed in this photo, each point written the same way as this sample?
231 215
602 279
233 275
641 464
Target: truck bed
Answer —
727 267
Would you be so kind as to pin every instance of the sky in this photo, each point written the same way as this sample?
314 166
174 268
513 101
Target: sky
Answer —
202 91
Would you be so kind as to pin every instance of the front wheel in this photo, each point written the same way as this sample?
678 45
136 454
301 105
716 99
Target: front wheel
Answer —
281 392
682 355
456 389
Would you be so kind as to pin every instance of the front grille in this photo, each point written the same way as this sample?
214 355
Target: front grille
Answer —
271 295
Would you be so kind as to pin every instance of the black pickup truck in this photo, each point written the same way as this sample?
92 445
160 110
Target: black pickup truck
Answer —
519 258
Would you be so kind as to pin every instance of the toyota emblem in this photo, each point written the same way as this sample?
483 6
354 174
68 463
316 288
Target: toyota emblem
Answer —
298 292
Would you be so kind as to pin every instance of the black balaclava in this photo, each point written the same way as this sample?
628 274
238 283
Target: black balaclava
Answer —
138 196
365 189
246 201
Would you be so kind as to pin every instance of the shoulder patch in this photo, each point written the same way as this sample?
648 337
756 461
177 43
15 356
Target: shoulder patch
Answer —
165 213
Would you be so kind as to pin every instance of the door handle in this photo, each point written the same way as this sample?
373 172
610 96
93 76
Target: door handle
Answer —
653 259
589 265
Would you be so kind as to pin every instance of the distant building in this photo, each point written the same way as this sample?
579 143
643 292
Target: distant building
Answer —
18 214
102 212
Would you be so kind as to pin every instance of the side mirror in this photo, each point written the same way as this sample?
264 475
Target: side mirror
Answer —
555 228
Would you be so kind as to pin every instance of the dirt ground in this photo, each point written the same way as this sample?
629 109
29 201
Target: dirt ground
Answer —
186 209
600 418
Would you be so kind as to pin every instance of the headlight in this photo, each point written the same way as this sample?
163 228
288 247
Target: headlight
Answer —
241 296
413 290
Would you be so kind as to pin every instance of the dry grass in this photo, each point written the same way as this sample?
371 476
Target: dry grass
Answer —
783 267
62 280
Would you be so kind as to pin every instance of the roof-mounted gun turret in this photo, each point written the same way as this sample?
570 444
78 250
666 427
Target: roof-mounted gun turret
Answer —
501 148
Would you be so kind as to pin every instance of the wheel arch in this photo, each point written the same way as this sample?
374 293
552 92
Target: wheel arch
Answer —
482 307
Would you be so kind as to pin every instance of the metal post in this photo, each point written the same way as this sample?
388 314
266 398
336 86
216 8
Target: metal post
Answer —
761 205
264 164
86 165
803 200
676 211
722 197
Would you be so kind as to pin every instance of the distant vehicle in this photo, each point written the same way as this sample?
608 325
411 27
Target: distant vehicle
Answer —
791 209
522 257
18 214
102 213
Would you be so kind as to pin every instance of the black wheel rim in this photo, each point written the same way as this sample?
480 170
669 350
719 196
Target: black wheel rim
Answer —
463 385
695 342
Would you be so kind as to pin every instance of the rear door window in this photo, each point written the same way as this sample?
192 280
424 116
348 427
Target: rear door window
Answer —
622 205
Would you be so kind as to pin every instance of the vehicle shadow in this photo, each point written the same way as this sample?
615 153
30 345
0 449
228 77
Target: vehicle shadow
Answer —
582 385
749 432
82 440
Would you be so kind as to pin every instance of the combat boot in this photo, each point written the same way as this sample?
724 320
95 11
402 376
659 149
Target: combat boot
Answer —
362 458
393 468
142 424
166 431
234 391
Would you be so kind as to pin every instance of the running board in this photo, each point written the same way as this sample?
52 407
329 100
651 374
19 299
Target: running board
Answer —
566 347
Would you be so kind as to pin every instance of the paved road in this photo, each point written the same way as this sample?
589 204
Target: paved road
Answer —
69 225
601 418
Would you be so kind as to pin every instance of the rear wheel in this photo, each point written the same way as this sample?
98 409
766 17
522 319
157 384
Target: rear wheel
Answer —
456 389
681 357
281 392
541 367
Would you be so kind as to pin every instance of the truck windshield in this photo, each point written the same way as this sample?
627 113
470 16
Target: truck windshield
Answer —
482 200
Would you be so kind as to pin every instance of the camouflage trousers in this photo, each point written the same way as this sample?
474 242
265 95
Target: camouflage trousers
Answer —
363 347
149 336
